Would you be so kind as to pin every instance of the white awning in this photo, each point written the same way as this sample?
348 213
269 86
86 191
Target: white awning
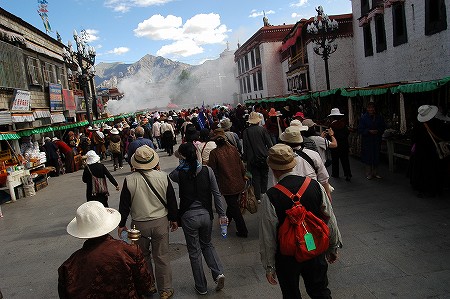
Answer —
22 118
41 114
58 118
5 118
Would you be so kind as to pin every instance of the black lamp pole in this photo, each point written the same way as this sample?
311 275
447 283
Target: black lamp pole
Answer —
322 30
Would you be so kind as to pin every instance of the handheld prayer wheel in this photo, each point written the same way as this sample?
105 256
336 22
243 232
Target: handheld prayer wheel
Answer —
133 234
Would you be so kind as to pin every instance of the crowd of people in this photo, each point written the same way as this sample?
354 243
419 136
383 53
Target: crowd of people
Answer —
222 151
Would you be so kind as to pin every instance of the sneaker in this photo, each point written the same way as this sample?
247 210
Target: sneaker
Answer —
199 292
377 176
220 281
166 294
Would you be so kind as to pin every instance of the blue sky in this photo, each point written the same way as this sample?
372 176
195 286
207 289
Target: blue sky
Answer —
189 31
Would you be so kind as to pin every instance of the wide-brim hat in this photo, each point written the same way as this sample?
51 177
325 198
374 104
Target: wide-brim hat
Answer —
426 112
254 118
292 135
192 131
272 112
93 220
92 157
297 123
225 123
106 127
308 123
144 158
114 131
335 112
218 133
281 157
55 138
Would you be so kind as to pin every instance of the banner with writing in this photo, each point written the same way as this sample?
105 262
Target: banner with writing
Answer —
21 100
55 91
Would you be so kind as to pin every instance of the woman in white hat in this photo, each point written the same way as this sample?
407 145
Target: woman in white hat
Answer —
94 176
427 169
340 131
117 268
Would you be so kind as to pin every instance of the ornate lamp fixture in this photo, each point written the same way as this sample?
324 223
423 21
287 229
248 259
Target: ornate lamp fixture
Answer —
322 30
81 63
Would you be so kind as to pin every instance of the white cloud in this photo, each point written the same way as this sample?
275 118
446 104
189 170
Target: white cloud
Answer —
199 30
183 48
119 51
295 15
300 3
91 35
125 5
97 47
254 13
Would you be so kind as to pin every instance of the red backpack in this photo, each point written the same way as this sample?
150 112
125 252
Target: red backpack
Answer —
302 233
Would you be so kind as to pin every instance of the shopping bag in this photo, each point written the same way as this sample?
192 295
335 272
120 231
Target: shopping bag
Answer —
252 203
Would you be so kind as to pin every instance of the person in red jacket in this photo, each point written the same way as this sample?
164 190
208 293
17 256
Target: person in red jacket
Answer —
67 151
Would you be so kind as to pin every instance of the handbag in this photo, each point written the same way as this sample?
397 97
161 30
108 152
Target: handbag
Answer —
251 202
99 185
442 147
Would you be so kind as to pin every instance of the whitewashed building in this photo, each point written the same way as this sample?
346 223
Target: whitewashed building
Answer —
400 40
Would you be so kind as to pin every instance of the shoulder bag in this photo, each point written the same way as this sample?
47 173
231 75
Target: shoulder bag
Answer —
99 185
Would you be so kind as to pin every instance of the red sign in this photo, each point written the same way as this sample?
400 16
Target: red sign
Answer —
69 100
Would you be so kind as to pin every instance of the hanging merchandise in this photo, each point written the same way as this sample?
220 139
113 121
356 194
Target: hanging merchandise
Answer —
402 114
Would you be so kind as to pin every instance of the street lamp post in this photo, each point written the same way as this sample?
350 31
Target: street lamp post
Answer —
82 60
322 30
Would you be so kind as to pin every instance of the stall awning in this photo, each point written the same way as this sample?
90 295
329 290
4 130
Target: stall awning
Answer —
58 118
5 118
9 136
41 114
22 117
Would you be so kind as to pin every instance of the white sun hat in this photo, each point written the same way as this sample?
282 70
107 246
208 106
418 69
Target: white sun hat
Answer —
426 112
93 220
92 157
335 112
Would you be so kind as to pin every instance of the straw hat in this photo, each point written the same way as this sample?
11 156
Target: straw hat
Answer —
225 123
144 158
291 135
92 157
281 157
426 112
335 112
114 131
254 118
297 123
93 220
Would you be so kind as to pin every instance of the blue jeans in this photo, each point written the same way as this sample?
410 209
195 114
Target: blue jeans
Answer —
197 228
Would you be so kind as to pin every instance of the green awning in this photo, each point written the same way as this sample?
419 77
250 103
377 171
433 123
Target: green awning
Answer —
421 86
9 136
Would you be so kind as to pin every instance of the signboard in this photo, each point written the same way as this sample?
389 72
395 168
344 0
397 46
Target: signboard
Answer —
79 101
69 100
21 100
56 103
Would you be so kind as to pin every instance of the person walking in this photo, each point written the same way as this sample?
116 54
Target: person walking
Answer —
273 213
340 153
156 131
136 143
205 146
51 153
147 194
116 148
104 267
226 163
197 183
168 135
256 142
97 170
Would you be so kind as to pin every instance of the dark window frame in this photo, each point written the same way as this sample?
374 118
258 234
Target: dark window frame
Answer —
365 7
399 30
368 43
260 81
380 33
435 16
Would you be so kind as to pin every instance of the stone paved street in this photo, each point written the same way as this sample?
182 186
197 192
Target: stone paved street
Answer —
396 245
